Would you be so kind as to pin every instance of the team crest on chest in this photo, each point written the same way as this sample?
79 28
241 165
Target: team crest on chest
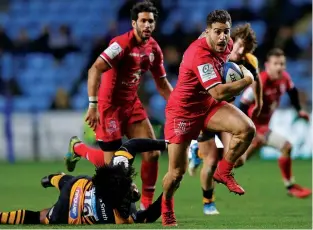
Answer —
151 57
282 88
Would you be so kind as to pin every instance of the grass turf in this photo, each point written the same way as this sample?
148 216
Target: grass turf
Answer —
265 204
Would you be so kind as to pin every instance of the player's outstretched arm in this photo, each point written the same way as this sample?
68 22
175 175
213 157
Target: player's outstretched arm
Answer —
164 87
258 94
223 92
94 76
294 99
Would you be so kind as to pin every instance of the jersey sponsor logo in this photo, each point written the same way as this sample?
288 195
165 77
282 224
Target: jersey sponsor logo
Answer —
206 72
90 204
111 125
135 80
113 50
103 211
75 204
181 126
136 55
270 91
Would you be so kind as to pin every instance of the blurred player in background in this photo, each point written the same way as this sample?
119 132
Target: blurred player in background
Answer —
107 198
276 81
244 44
117 110
198 102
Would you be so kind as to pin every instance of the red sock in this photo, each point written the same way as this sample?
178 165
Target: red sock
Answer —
149 175
167 204
224 166
95 156
285 168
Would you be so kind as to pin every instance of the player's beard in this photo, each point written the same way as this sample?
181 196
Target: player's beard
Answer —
140 34
215 47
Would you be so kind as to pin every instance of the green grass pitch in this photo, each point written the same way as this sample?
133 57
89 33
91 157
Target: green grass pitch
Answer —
265 204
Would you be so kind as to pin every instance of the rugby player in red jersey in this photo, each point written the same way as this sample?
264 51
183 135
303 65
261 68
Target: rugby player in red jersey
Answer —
244 39
198 103
275 81
115 109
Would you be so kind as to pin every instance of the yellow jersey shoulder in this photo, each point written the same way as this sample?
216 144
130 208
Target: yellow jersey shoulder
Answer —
250 58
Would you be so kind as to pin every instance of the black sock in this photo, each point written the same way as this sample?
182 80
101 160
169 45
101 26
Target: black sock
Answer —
207 195
20 217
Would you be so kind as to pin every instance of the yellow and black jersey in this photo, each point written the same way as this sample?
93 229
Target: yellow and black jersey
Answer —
78 204
251 63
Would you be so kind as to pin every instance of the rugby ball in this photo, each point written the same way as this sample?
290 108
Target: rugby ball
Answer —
231 72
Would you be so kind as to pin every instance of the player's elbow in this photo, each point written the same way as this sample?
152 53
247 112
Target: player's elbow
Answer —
99 66
218 93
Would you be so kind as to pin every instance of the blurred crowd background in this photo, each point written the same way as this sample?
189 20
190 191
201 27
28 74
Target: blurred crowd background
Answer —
47 46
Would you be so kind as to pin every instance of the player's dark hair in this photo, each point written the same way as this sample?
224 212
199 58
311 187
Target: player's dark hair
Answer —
246 33
145 6
275 52
113 183
221 16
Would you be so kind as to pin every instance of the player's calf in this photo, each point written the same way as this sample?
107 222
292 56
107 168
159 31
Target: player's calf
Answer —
20 217
149 175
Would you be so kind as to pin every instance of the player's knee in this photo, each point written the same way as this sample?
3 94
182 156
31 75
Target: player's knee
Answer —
110 146
247 132
152 156
286 149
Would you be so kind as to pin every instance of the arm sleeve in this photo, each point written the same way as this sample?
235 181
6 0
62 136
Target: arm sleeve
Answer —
157 69
203 66
114 52
139 145
294 98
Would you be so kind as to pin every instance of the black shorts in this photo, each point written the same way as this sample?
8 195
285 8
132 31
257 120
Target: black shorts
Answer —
207 135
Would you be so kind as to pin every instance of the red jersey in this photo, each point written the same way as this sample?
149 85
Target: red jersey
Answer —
272 92
200 70
128 61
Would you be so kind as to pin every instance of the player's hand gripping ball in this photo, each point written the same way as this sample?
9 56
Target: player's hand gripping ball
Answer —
231 72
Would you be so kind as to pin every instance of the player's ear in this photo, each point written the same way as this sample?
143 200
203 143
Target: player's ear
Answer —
134 24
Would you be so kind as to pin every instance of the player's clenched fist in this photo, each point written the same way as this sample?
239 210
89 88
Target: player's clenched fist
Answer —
92 118
248 76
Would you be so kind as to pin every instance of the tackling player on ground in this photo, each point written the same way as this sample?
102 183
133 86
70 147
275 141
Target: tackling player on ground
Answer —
276 81
198 103
107 198
244 44
114 108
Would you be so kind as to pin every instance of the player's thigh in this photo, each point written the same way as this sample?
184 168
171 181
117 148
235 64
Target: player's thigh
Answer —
111 123
229 118
178 158
110 131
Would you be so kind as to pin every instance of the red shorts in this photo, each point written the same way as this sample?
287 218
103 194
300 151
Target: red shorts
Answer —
180 129
115 119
